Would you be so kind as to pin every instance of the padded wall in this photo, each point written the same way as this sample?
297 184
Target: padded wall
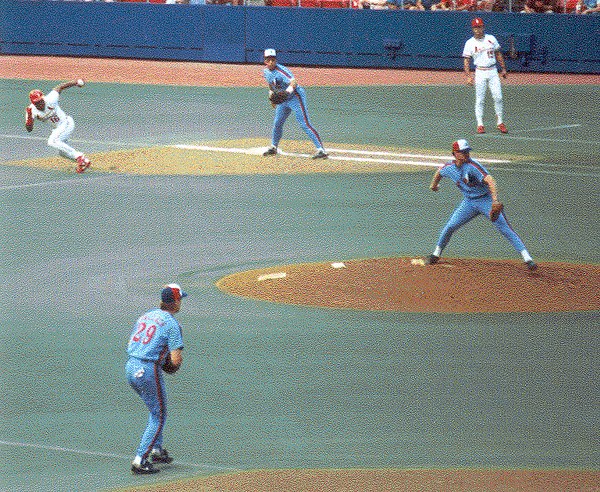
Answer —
303 36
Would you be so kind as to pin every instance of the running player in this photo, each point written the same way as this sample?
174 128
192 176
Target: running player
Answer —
485 51
480 191
280 78
156 338
46 108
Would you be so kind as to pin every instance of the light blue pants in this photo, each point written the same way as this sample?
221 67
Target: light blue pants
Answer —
297 104
147 381
471 208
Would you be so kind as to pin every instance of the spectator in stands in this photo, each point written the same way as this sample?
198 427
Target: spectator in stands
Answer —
538 7
589 6
373 4
408 4
224 2
565 6
443 5
488 5
455 5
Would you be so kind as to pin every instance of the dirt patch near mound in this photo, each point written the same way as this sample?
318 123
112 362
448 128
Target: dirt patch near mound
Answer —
389 481
404 284
169 160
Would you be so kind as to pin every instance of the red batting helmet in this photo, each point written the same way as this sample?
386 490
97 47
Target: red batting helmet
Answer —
477 22
35 96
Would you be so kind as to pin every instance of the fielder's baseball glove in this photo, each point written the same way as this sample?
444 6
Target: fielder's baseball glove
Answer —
497 208
168 365
277 97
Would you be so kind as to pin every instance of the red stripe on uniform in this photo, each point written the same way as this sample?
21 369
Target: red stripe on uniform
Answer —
161 412
305 116
478 167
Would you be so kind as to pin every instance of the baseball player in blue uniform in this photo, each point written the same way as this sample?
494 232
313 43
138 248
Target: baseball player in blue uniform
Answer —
155 345
281 79
480 197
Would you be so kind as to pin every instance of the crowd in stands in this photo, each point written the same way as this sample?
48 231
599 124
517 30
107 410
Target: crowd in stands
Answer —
523 6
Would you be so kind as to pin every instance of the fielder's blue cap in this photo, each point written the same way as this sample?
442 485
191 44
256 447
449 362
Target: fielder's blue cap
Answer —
172 293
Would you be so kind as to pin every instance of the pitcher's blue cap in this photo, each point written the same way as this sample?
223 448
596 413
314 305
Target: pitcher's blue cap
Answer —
172 293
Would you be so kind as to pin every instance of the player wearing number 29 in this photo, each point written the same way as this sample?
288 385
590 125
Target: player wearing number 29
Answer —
486 54
155 345
46 108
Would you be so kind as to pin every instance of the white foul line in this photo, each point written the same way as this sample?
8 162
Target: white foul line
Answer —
50 183
561 127
260 150
76 140
105 455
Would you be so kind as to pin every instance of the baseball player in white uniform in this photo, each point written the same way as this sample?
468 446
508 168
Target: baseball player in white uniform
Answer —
485 51
46 108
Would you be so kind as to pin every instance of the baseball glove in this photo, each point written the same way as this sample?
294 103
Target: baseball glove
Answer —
168 365
497 208
28 119
277 97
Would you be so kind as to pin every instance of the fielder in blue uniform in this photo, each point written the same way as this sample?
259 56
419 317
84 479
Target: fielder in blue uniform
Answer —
480 191
279 79
156 338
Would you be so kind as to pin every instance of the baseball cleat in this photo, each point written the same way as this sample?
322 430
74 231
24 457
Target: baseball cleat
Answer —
531 265
160 457
143 469
480 129
321 154
270 151
432 259
502 128
82 164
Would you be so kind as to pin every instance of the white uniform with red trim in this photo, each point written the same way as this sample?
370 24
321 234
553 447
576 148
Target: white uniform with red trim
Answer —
63 125
483 53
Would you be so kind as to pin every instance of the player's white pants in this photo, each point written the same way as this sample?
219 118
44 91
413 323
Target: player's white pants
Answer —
59 136
485 78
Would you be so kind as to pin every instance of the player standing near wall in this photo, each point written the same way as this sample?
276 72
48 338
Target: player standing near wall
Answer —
286 96
485 51
46 108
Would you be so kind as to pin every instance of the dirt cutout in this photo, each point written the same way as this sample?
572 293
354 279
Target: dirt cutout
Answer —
388 480
406 284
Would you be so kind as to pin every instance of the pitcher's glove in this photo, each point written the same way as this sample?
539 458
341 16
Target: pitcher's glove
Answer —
497 208
28 119
168 365
277 97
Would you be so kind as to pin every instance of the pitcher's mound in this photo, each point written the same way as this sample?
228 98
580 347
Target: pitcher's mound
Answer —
406 284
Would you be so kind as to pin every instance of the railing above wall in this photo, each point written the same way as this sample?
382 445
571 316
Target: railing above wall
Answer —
313 36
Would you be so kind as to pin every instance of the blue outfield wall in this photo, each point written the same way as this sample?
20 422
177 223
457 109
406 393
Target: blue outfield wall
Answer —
303 36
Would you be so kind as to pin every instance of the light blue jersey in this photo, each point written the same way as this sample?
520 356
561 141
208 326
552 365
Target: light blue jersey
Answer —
154 335
477 201
468 177
279 80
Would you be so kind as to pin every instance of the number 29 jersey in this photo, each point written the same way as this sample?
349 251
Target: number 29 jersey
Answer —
154 335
